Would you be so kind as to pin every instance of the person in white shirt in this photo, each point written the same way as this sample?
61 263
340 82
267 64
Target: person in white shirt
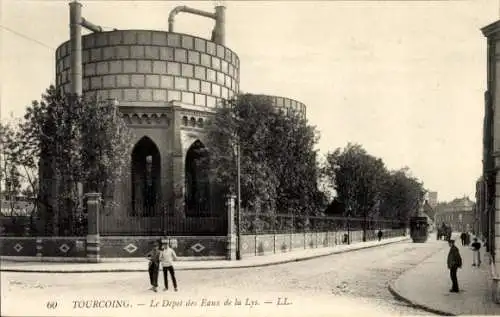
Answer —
167 258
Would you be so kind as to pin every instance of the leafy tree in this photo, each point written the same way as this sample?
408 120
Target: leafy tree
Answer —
358 179
402 196
278 162
291 155
10 178
77 142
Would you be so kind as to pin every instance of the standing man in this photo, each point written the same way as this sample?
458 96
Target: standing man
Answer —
167 258
476 255
454 263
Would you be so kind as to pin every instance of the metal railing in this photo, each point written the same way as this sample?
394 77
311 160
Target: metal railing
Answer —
167 224
254 223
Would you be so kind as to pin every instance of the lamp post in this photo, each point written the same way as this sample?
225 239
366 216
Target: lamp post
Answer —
349 225
237 152
238 200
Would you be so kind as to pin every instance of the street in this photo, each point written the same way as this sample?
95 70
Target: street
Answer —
341 284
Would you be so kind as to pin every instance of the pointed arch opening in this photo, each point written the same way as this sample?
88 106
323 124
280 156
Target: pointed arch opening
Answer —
197 181
146 171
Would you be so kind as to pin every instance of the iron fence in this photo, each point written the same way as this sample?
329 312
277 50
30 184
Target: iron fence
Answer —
168 224
137 208
255 223
38 226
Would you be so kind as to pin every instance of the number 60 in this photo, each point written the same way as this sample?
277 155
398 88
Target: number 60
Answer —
51 305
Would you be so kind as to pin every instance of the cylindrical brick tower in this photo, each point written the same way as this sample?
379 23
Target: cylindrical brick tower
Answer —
151 68
287 104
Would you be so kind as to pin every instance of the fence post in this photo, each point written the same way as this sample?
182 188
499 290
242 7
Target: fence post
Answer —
315 228
305 238
93 240
39 248
231 228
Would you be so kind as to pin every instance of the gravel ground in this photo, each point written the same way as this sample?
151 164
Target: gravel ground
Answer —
342 284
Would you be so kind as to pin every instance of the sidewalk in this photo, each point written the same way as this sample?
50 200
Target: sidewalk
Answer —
141 264
427 285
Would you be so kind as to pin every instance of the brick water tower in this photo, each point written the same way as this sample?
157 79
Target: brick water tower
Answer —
166 85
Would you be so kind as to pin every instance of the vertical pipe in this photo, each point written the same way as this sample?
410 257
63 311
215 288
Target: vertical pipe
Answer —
75 17
220 25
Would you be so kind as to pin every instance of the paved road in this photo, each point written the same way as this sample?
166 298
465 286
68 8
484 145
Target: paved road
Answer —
344 284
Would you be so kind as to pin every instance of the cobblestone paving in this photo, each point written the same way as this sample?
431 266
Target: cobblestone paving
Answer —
350 281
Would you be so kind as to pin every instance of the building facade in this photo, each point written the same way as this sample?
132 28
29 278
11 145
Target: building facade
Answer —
460 214
432 199
491 139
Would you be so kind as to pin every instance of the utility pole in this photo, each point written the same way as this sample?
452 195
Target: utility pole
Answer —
238 200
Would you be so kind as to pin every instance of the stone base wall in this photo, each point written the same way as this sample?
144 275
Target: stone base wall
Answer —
184 246
191 247
43 246
110 247
277 243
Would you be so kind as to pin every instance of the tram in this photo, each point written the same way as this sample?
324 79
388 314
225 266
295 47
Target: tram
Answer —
419 229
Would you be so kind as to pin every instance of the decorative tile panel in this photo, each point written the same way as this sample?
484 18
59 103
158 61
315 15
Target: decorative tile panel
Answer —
64 248
130 248
18 247
198 247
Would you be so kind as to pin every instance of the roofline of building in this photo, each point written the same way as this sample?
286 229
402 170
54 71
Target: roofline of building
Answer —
277 96
491 29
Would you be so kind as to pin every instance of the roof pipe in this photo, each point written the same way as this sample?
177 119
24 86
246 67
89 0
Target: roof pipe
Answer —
75 30
76 22
218 34
220 25
90 26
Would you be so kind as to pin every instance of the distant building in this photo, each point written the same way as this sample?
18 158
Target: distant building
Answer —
429 210
460 214
432 199
491 146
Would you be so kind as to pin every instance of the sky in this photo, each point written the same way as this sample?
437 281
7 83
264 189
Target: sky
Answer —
405 79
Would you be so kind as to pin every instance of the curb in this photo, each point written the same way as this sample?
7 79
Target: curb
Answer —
398 296
208 268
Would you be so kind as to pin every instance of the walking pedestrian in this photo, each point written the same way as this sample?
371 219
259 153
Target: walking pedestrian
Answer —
154 265
476 254
167 258
380 234
454 263
462 238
